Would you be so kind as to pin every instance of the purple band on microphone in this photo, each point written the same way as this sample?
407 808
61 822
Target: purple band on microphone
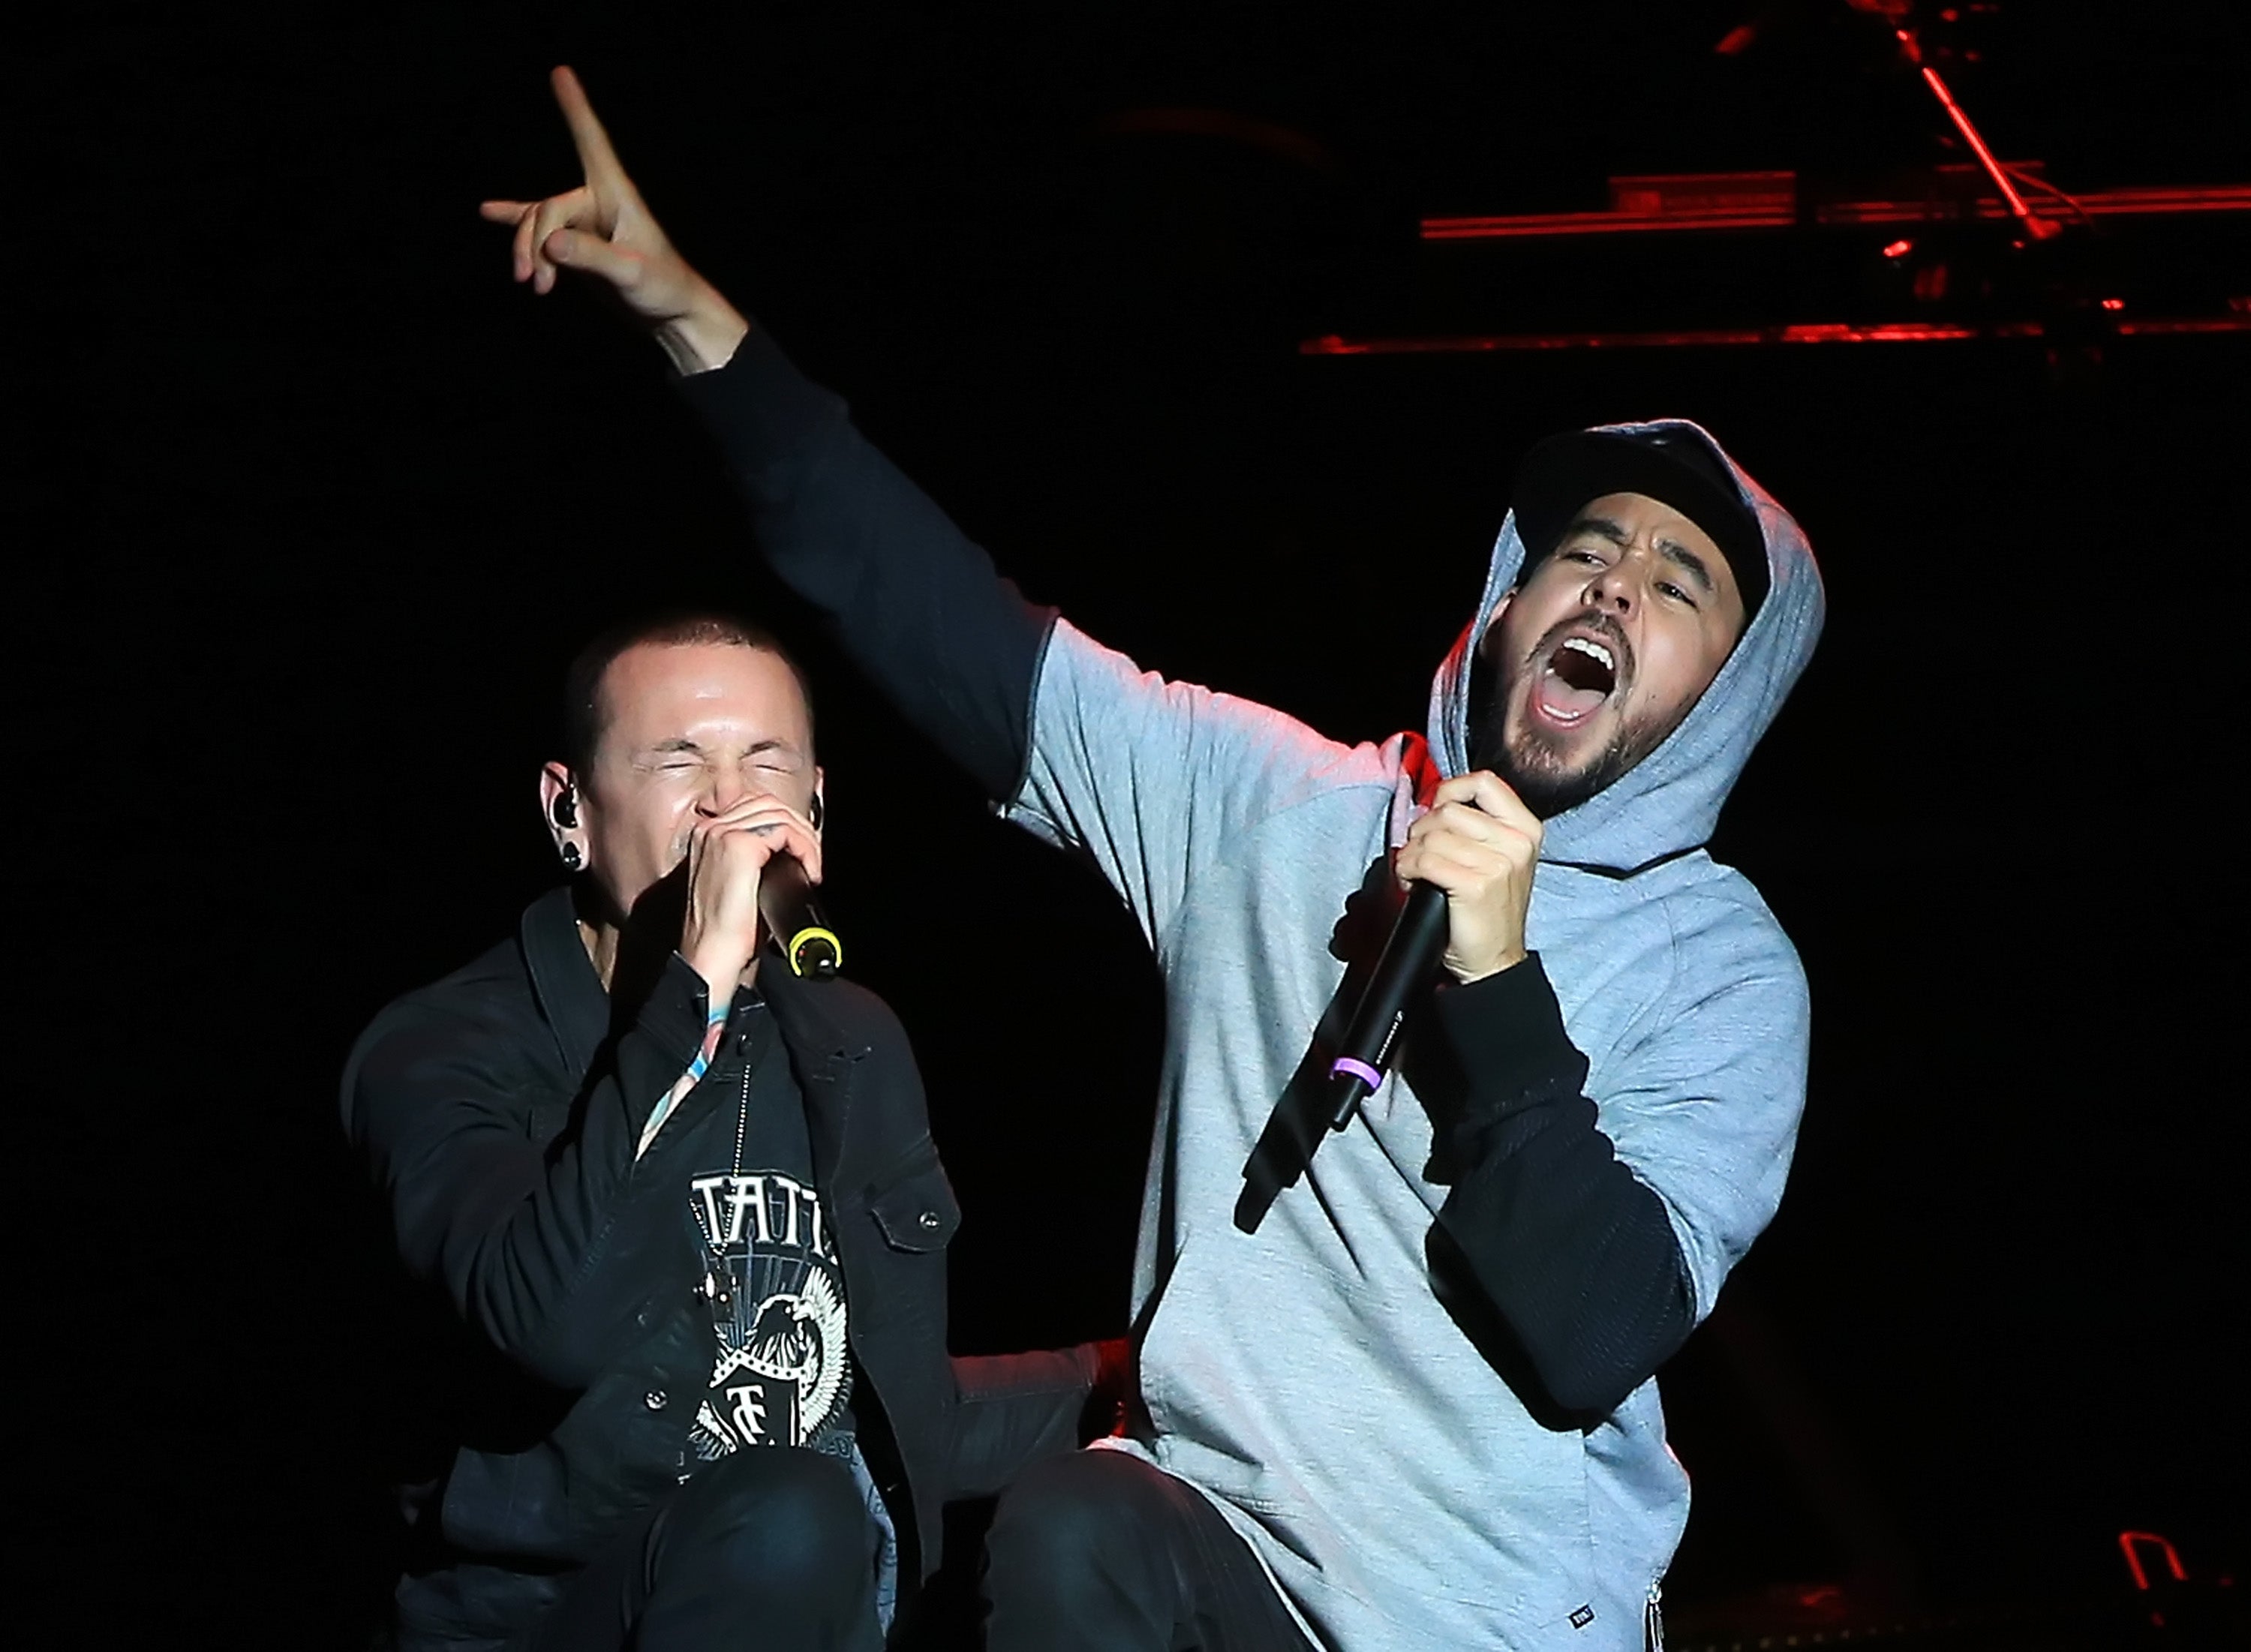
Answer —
1344 1065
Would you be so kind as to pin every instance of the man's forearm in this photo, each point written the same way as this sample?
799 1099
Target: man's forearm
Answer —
917 605
1575 1252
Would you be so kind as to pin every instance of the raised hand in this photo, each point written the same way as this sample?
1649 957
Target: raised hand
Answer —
1481 845
727 854
604 228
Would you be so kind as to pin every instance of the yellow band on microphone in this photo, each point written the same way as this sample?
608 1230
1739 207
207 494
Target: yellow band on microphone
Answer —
804 938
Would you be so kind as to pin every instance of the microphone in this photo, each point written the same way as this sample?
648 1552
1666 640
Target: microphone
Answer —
793 919
1409 958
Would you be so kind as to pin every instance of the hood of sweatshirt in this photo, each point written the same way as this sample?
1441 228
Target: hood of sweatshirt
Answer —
1670 800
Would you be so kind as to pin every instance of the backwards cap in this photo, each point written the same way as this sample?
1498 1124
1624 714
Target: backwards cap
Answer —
1561 475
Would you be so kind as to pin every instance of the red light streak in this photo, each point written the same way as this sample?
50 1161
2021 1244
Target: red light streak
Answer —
2038 228
1536 223
2175 326
2157 201
1712 337
1900 248
2130 1543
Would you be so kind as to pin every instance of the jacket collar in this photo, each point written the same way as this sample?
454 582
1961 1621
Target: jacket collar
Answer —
563 978
822 1049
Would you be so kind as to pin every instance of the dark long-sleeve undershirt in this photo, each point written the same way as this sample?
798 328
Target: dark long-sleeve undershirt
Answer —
1575 1253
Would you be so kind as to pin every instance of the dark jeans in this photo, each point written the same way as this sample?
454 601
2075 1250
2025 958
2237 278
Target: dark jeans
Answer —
1099 1552
772 1548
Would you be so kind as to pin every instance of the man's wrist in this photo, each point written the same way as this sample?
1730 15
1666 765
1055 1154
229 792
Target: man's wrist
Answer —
706 336
1505 961
721 969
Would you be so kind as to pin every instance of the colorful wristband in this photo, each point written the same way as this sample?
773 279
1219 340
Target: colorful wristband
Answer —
715 1027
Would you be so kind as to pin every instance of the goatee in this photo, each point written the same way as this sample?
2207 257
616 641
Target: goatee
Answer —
1534 768
1540 776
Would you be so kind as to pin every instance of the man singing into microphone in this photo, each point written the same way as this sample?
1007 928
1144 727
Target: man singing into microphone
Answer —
1405 1399
684 1214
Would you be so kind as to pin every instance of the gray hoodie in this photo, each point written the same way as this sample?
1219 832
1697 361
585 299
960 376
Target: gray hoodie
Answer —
1304 1376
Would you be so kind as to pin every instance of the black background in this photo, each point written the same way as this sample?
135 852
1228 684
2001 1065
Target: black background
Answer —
311 505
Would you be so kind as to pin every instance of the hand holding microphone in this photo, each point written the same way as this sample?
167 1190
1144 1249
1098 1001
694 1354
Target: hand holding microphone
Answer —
1480 844
1468 863
756 861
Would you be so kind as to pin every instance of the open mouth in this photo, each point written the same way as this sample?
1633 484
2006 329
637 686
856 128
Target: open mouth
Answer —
1581 674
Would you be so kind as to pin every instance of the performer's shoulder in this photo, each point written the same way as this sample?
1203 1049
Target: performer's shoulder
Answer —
1714 907
490 997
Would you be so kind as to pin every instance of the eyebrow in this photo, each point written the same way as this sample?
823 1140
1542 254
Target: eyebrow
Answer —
1601 527
1680 556
1672 550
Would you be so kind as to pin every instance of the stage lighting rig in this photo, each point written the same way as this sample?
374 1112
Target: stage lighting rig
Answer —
1981 248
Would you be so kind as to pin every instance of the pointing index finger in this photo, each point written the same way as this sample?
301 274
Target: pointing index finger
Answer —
595 154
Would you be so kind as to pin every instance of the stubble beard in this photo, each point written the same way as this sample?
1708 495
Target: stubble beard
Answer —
1544 776
1537 767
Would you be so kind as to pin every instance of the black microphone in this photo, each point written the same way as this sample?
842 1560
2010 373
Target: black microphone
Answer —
794 921
1409 958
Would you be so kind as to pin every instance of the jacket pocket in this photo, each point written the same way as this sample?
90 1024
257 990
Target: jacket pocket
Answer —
915 1209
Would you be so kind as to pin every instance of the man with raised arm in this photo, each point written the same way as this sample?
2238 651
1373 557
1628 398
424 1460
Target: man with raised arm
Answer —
1398 1393
683 1211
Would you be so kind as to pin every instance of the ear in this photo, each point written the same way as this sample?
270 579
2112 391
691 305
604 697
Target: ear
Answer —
819 810
561 807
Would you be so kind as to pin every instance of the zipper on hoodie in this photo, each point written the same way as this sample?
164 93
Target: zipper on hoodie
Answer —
1653 1618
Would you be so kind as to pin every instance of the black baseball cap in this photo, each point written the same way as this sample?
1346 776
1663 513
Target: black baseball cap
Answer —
1675 467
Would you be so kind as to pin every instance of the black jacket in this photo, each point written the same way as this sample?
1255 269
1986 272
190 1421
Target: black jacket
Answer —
498 1112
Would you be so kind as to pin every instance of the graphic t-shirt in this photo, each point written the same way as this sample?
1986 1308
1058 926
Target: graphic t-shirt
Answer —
784 1371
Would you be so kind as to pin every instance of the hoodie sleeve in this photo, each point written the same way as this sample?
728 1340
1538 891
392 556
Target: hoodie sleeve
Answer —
917 605
1705 1105
1148 778
540 1250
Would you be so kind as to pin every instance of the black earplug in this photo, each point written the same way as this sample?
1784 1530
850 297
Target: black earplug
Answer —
564 809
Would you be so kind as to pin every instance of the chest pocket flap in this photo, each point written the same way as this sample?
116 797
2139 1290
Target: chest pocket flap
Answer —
916 1211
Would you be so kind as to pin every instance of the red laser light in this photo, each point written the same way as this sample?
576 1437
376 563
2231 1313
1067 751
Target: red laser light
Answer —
2131 1542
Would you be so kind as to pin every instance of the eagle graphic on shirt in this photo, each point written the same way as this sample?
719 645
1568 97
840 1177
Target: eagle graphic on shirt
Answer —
783 1372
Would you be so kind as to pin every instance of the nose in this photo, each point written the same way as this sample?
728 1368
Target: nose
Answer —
722 790
1612 589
